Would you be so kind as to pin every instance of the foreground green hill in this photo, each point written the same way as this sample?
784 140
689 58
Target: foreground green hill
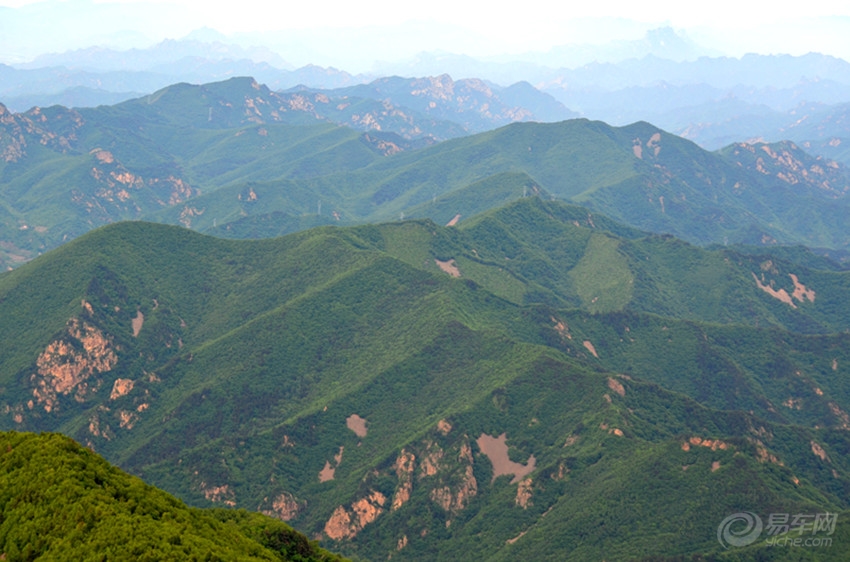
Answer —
59 501
235 159
538 382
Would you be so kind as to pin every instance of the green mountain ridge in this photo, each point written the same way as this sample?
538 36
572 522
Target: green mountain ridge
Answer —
515 384
60 501
235 159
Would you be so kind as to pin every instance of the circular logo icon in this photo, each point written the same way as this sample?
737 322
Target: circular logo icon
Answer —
739 529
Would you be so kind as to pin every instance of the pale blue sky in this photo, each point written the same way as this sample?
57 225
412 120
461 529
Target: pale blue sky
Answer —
389 30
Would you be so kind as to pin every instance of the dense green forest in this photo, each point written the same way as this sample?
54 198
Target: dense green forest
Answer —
60 501
235 159
538 381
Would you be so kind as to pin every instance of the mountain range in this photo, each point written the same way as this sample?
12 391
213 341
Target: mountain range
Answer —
423 318
664 78
240 160
537 381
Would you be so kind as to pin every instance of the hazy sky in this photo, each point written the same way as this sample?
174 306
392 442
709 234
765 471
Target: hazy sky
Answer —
355 33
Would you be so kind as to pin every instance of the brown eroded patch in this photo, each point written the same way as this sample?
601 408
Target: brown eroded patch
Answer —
835 364
654 143
781 294
840 414
563 470
589 346
103 156
616 386
819 452
402 542
454 220
637 149
121 387
715 466
516 538
126 420
801 292
327 473
444 427
562 328
762 454
356 424
496 450
448 267
793 403
712 444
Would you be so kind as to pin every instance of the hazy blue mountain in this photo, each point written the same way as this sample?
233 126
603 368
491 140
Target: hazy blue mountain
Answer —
77 96
209 48
473 104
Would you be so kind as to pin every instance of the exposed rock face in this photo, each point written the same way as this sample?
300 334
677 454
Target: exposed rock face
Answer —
339 525
523 493
819 452
455 496
713 444
404 465
219 494
801 293
345 524
285 507
36 127
121 387
616 386
430 464
787 162
589 346
70 364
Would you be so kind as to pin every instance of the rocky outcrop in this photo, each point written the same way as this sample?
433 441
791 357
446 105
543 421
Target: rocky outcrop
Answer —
346 523
70 365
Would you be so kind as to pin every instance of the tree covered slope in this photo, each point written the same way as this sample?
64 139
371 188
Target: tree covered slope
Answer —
238 160
538 381
60 501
